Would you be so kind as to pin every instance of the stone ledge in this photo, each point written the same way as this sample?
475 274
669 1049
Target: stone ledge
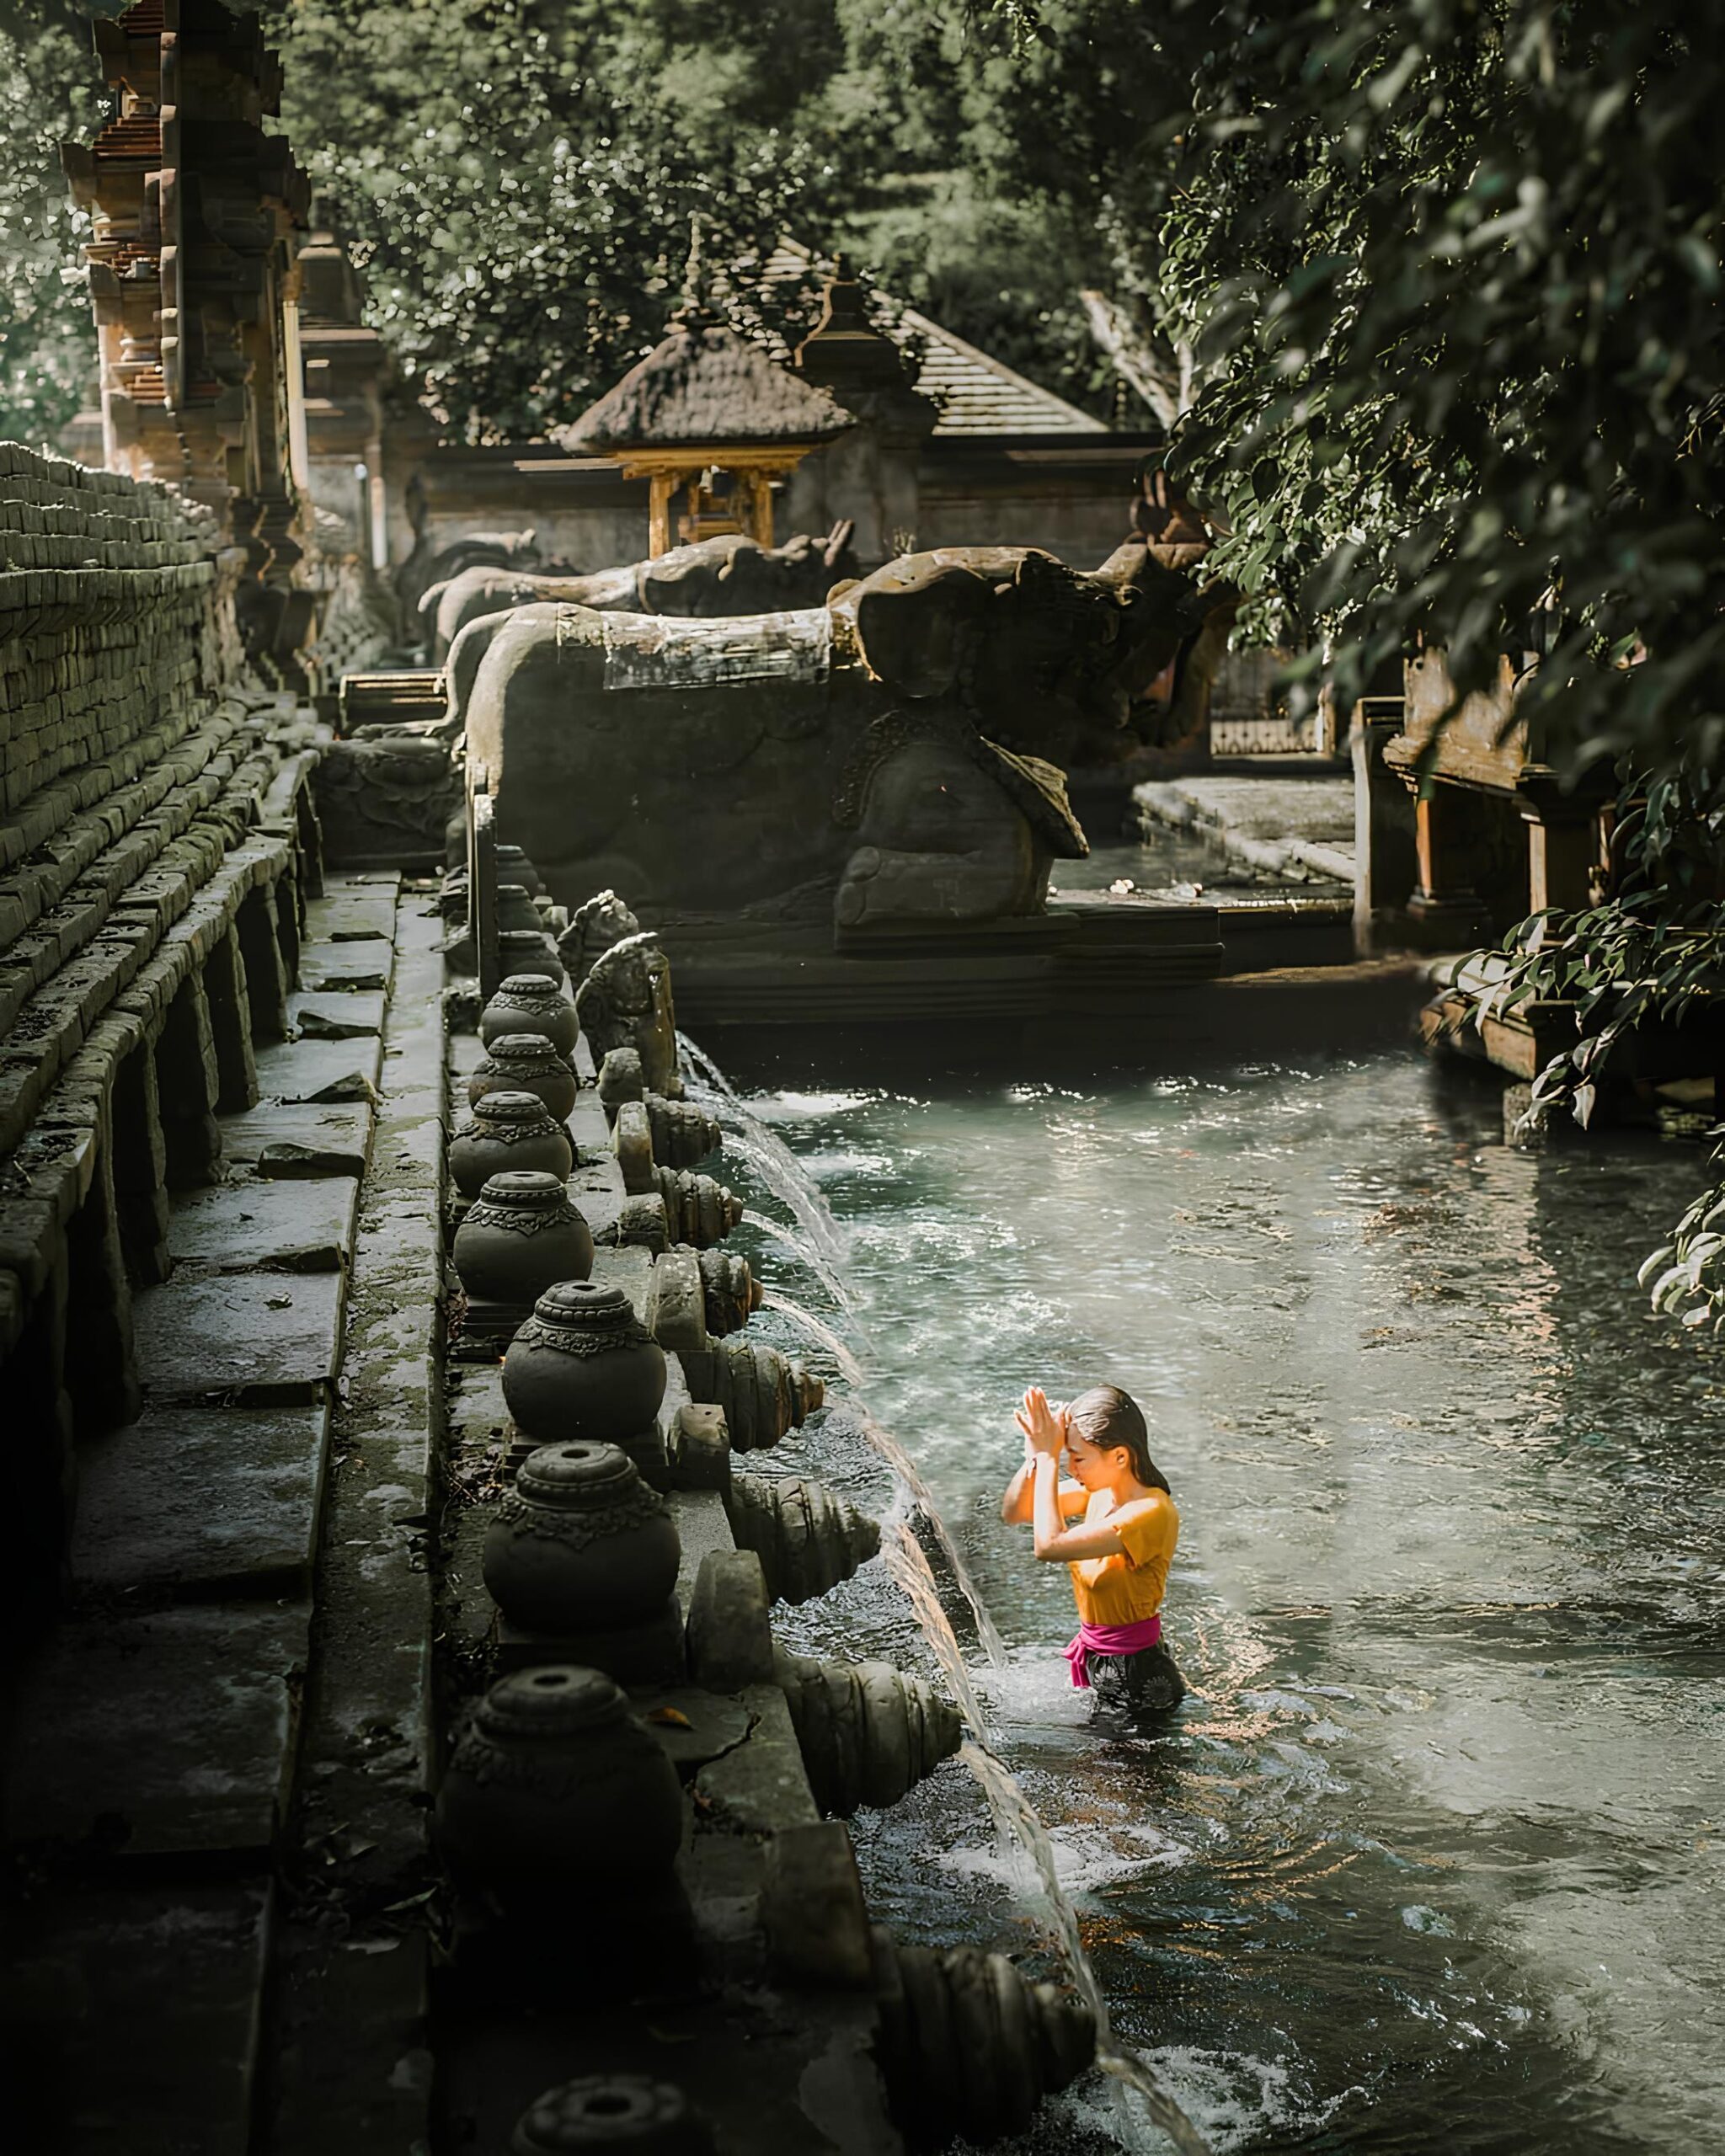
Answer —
134 2018
164 1734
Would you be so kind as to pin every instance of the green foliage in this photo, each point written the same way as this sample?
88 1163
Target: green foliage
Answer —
50 88
1456 265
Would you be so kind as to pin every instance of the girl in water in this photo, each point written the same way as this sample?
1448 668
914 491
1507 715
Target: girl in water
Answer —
1123 1529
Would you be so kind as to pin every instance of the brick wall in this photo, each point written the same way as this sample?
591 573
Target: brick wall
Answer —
157 836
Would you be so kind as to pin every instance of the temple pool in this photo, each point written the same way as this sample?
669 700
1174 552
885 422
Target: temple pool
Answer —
1433 1858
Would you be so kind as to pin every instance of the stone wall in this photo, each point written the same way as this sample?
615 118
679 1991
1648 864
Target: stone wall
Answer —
156 836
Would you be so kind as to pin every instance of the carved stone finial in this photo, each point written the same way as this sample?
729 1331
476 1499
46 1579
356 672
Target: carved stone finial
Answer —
1022 2042
807 1539
868 1732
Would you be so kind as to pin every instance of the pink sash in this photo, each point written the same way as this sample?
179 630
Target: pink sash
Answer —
1109 1639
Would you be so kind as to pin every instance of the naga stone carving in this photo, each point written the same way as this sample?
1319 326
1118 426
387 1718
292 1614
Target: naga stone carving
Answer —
969 2045
731 1291
683 1132
625 1002
807 1539
730 574
595 926
869 1733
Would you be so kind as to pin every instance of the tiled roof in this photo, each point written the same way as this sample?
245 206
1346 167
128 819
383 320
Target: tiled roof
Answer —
973 393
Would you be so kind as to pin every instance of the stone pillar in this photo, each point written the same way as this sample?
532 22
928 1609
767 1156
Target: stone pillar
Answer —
189 1082
140 1168
1388 867
1444 905
231 1023
1563 854
41 1462
265 924
101 1369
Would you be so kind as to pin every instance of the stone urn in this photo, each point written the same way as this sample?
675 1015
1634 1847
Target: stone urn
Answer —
580 1543
528 951
521 1235
513 866
583 1366
515 910
531 1003
527 1063
554 1788
612 2115
509 1132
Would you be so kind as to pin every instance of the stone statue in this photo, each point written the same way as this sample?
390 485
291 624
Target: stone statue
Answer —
625 1002
845 772
595 926
730 574
513 551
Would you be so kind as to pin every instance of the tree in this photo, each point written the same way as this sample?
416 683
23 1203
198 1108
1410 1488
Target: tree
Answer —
50 88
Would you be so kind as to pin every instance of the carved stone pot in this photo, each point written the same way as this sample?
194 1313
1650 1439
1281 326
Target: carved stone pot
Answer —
515 910
583 1366
580 1542
554 1788
528 951
513 866
509 1132
531 1003
612 2115
521 1235
526 1063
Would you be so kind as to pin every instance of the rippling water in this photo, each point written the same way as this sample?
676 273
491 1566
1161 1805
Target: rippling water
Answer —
1434 1859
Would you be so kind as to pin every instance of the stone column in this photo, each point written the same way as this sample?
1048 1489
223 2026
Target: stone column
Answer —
264 925
224 986
189 1082
1388 867
1563 854
101 1369
140 1168
1444 905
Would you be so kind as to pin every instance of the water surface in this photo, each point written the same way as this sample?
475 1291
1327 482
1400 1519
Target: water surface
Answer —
1432 1859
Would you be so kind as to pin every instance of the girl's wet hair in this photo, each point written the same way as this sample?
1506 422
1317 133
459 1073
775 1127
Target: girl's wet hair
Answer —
1105 1416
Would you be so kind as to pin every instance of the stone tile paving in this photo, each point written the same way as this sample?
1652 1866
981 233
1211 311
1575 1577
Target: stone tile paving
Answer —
267 1224
260 1538
169 1734
84 2072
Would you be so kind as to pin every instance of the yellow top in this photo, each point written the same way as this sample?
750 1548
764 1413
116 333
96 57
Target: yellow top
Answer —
1127 1588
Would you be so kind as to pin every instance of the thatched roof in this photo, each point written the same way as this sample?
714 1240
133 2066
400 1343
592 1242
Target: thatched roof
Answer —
705 386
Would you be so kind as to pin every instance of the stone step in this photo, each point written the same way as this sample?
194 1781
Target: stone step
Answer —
133 2015
245 1339
165 1735
201 1501
266 1224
